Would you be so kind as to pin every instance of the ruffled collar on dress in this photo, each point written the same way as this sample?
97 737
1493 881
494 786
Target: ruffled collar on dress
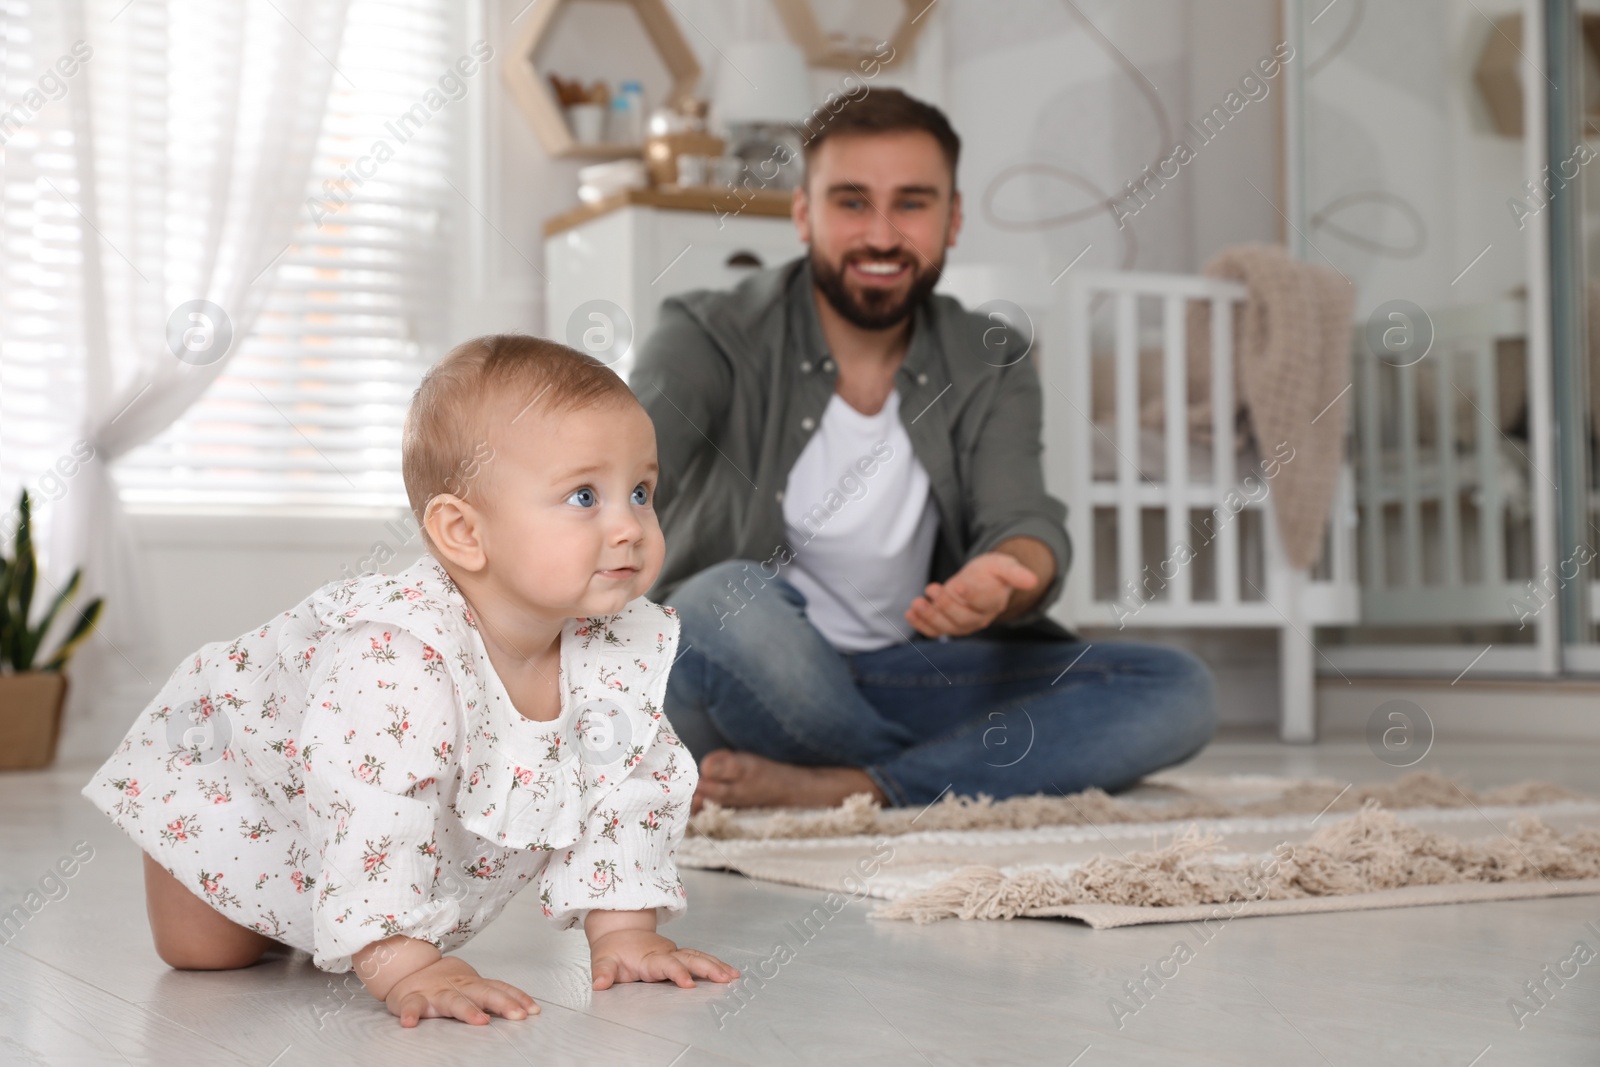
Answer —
525 784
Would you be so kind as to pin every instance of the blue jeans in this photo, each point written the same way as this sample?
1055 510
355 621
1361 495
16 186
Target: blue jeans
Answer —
968 715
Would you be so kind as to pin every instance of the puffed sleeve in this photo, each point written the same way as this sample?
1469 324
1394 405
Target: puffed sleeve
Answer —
380 732
624 860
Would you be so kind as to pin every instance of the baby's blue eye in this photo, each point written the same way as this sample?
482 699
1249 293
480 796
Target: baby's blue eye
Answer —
584 497
641 495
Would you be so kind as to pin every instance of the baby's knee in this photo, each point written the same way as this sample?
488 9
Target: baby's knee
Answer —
184 955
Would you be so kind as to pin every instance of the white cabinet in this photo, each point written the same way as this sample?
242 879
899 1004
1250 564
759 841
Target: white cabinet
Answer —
636 255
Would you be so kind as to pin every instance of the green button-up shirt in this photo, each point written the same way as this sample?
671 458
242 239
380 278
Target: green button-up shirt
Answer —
736 383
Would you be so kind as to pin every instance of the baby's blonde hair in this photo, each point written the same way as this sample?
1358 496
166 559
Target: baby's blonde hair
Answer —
478 386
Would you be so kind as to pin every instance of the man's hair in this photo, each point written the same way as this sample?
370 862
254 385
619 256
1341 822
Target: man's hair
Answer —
884 111
480 384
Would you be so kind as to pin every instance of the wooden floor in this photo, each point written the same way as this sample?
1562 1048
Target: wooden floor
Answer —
81 984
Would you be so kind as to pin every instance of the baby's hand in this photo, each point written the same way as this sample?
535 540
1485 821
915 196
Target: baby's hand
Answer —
450 988
646 956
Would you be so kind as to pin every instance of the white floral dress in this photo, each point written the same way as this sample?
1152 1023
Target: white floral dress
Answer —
355 769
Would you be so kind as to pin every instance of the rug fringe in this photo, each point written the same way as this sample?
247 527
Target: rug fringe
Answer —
858 815
1372 851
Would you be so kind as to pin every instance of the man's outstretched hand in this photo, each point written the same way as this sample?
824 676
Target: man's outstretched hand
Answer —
971 598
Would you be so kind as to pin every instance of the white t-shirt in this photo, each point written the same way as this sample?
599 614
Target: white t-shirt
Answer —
862 524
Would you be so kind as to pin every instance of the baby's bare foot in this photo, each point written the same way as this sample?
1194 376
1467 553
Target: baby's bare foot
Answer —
745 780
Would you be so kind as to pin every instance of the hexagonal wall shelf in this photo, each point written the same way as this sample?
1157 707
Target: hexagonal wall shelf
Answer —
539 105
836 49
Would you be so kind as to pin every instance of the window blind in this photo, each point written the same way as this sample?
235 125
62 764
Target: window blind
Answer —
40 380
308 412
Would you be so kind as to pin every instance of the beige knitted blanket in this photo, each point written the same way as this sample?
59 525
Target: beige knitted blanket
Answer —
1177 849
1292 361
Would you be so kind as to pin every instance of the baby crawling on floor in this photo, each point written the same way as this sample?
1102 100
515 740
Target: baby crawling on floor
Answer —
373 774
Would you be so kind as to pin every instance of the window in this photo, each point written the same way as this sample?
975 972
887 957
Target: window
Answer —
39 255
309 409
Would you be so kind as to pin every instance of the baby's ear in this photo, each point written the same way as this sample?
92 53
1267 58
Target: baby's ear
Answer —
455 529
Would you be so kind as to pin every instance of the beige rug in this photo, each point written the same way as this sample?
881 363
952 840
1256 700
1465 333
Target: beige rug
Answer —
1180 848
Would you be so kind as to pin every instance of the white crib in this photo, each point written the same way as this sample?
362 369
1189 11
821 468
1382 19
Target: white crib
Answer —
1134 493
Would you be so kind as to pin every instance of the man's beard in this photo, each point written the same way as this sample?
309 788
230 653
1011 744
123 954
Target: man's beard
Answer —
873 309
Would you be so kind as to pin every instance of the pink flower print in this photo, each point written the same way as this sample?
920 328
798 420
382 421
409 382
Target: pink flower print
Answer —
481 869
471 619
652 821
178 831
370 770
524 776
411 594
665 610
309 653
210 885
604 878
375 860
290 750
299 880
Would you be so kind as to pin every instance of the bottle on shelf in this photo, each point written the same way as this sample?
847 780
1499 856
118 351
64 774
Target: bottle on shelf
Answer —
627 114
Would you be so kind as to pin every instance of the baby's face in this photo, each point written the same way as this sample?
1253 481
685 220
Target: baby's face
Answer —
571 529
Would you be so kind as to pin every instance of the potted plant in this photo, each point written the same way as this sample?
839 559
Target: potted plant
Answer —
32 687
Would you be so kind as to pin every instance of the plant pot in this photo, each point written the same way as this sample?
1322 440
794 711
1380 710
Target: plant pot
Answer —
30 718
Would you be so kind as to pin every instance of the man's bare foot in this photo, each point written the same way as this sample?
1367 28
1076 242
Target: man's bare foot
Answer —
745 780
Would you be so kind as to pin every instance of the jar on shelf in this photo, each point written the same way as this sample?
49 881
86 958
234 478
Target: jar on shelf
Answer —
684 134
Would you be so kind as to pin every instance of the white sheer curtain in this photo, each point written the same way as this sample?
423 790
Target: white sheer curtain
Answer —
194 125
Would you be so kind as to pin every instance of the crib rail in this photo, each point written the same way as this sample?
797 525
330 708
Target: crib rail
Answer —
1434 512
1204 516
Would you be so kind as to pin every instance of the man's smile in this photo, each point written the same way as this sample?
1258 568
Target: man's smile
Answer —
879 272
